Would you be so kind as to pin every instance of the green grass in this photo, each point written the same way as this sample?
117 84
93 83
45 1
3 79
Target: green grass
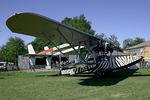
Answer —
122 85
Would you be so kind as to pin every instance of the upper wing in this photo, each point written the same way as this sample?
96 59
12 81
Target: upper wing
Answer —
43 27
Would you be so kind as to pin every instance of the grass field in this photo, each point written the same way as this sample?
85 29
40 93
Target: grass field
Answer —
122 85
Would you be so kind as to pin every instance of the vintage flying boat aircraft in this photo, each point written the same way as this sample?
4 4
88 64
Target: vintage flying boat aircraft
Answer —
97 59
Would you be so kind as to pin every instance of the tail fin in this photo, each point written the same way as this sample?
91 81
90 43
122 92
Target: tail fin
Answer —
30 49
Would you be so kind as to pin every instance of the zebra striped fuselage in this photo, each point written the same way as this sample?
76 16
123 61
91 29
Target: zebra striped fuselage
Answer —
117 62
109 63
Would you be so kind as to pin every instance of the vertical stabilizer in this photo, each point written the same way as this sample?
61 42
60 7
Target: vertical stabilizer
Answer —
30 49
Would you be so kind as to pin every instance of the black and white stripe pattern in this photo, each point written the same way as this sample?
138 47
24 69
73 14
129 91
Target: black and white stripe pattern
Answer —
77 70
111 63
117 62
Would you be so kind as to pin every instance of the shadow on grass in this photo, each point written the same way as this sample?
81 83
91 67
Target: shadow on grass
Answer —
140 75
111 79
2 78
54 75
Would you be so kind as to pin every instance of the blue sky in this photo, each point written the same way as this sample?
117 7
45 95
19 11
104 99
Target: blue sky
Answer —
124 18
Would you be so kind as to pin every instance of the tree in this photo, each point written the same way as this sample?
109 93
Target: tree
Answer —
13 48
39 44
127 43
138 40
79 22
131 42
2 52
113 38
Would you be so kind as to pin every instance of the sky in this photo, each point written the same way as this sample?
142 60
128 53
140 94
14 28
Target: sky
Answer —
124 18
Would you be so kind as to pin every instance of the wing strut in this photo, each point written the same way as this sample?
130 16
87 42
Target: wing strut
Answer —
53 43
60 65
57 48
78 56
69 43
